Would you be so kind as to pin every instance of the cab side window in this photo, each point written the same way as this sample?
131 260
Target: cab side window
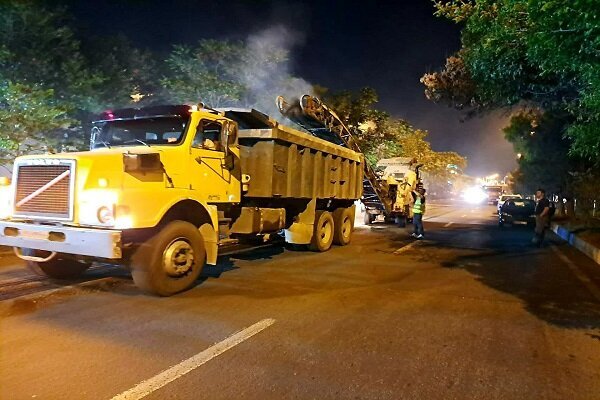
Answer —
208 135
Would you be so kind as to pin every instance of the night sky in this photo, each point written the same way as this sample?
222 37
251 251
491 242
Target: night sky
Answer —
340 44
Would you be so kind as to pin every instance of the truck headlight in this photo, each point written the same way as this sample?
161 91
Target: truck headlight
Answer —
96 207
123 222
122 217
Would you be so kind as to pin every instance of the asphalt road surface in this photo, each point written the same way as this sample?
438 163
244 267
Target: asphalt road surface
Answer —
471 312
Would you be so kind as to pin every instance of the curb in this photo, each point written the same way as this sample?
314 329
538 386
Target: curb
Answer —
585 247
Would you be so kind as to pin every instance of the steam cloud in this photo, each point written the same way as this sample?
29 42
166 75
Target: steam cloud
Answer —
267 73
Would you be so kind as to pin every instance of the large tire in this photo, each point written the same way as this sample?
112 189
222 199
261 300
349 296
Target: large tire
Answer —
60 267
322 232
343 225
170 261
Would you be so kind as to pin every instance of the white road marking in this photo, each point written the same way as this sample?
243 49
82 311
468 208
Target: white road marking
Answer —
587 282
148 386
448 224
407 247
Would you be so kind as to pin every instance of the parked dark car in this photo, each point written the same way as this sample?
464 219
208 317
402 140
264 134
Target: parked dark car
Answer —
517 210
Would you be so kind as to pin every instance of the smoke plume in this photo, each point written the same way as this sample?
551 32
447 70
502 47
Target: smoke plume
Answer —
268 69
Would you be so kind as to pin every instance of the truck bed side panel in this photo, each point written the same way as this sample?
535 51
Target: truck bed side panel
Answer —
284 169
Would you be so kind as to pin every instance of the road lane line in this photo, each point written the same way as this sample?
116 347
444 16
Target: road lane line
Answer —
430 217
448 224
148 386
587 282
407 247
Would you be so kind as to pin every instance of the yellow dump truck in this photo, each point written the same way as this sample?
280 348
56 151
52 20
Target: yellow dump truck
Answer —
165 190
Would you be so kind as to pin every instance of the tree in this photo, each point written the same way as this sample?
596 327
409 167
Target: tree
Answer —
453 85
376 133
37 47
224 73
26 114
528 55
541 53
128 74
45 64
538 138
208 72
381 136
45 79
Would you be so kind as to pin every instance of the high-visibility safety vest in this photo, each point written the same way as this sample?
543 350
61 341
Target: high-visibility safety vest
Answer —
418 207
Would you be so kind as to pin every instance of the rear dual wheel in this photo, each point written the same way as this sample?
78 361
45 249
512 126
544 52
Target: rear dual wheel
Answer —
323 231
343 225
332 228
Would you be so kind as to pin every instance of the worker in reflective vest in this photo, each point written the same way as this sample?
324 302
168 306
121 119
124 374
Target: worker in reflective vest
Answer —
418 211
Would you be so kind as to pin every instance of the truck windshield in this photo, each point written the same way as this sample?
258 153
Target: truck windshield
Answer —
139 132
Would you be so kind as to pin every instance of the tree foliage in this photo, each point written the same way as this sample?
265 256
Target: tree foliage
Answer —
37 47
128 74
207 72
541 54
26 112
250 73
538 138
544 53
381 136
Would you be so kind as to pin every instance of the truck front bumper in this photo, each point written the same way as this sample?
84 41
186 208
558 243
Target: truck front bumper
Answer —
62 239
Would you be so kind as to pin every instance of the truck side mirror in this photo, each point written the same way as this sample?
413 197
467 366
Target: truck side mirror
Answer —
228 161
227 139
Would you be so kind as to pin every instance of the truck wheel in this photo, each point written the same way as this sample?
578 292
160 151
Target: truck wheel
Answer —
170 261
343 224
322 232
60 267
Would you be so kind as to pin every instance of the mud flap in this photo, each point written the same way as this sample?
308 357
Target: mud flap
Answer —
301 231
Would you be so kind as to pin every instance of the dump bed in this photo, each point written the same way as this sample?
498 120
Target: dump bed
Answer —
286 163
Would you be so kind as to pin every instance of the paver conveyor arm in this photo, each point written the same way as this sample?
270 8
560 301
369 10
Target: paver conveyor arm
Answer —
313 115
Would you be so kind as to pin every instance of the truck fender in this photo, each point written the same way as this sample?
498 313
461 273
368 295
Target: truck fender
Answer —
210 234
211 243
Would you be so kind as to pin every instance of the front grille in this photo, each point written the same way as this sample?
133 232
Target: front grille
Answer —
44 190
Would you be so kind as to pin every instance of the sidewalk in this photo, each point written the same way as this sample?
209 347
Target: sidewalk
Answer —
586 241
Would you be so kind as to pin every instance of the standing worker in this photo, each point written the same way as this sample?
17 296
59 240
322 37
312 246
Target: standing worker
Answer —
418 211
542 216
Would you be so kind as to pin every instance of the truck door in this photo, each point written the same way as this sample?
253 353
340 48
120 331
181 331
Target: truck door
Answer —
214 170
